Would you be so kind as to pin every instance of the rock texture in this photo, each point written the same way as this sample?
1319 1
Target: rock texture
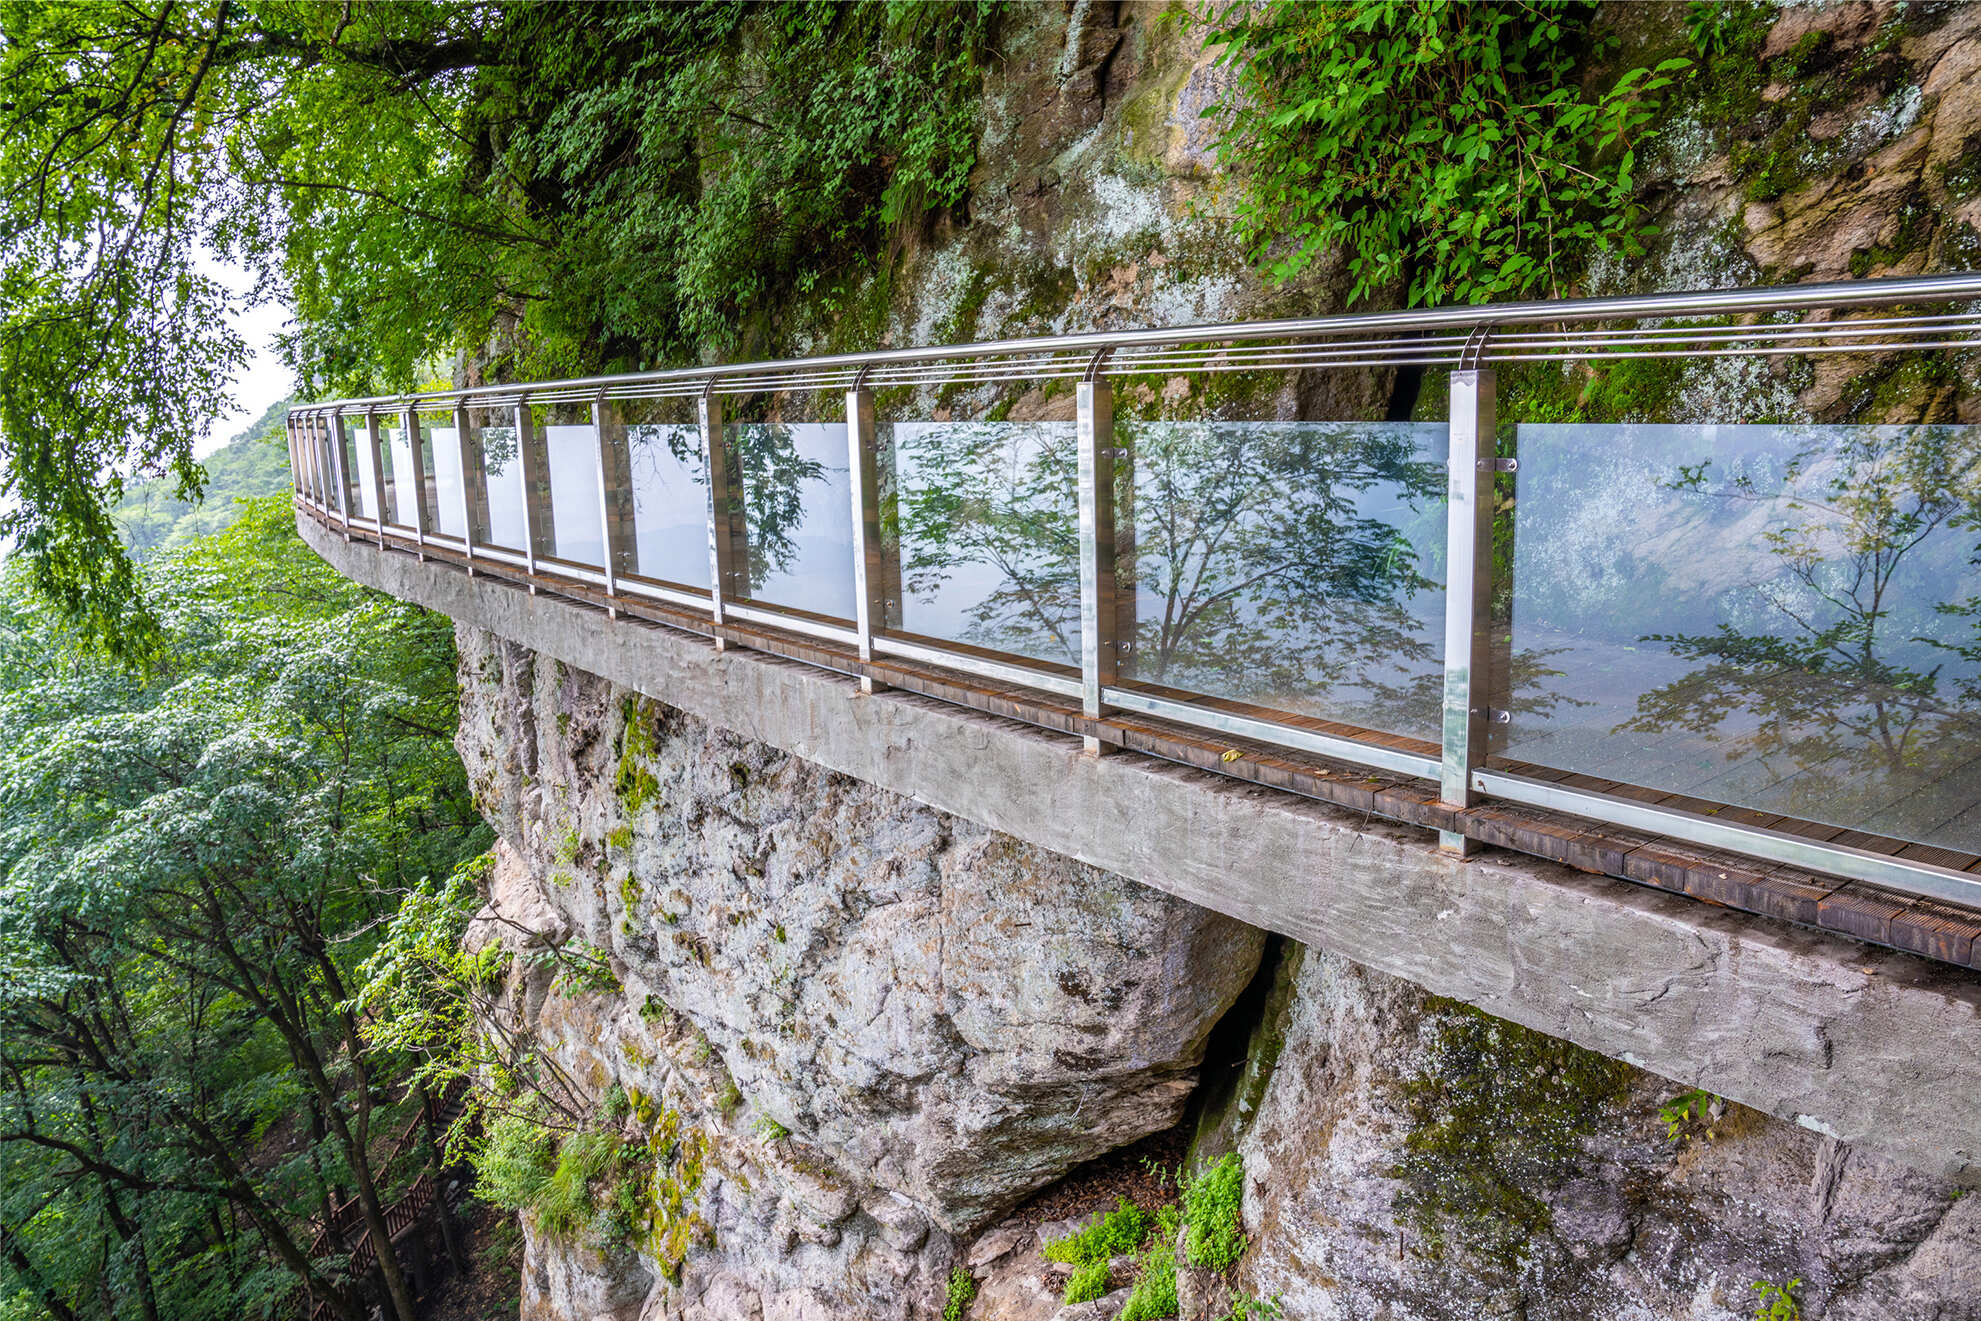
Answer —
1411 1158
889 1025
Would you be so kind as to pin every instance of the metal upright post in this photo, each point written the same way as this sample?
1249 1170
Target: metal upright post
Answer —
377 477
471 477
533 471
417 456
289 429
1099 643
869 574
312 423
1468 589
722 503
339 464
615 495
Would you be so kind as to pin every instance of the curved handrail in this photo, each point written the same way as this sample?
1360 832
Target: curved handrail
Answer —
1851 294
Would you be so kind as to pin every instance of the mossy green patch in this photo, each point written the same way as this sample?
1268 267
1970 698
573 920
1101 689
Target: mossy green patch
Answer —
1497 1118
633 782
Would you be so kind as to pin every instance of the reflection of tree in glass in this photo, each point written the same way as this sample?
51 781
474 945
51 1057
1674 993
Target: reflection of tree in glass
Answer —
1841 665
498 447
1260 567
999 494
773 477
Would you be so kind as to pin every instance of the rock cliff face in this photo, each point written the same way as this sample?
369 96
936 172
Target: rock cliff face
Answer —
1413 1158
890 1027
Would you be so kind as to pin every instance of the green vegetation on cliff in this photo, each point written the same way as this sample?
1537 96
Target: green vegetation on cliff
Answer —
1450 152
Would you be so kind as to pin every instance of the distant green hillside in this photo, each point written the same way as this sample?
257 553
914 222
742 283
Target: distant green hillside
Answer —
256 462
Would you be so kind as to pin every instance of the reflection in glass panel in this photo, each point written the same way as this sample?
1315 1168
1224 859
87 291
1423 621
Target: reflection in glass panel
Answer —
668 473
1785 618
440 443
797 513
986 545
358 443
570 446
494 431
326 471
402 493
1293 565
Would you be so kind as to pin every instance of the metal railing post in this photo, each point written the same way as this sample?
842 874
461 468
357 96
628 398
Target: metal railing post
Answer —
416 454
471 478
1468 592
1099 642
722 503
373 448
289 429
615 496
869 572
533 471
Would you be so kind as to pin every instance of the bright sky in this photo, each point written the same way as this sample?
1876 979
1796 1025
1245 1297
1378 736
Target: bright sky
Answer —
262 379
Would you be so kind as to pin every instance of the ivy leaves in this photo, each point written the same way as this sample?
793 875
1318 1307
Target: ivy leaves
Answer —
1448 151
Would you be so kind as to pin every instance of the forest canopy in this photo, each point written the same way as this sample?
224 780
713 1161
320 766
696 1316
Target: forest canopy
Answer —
627 183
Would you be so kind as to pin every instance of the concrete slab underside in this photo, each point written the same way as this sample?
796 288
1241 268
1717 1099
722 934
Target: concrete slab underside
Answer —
1866 1044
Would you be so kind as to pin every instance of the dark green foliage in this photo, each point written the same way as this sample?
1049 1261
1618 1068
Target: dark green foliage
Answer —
1449 152
193 863
632 182
715 159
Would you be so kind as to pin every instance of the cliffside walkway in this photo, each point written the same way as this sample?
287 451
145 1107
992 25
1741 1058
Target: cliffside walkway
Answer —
1733 659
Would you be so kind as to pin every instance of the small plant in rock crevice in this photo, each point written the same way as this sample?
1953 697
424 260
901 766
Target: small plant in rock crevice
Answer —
962 1292
1154 1294
1118 1232
1697 1106
1087 1283
1212 1208
1777 1301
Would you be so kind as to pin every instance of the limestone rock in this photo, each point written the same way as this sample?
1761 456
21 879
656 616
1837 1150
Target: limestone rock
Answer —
889 1025
1412 1159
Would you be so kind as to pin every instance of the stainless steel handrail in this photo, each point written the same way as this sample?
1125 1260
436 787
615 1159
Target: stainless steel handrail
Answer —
1721 302
1467 339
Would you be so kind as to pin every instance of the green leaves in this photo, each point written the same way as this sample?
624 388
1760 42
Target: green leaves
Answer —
1447 152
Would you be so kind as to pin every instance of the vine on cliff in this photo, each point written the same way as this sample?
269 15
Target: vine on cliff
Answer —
1449 152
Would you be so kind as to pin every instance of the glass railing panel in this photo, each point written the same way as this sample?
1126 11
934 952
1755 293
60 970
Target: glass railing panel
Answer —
980 526
1293 565
492 431
1785 618
440 452
788 455
667 474
570 447
358 447
401 490
326 481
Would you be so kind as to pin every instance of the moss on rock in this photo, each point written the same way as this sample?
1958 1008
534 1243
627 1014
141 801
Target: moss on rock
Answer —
1497 1117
